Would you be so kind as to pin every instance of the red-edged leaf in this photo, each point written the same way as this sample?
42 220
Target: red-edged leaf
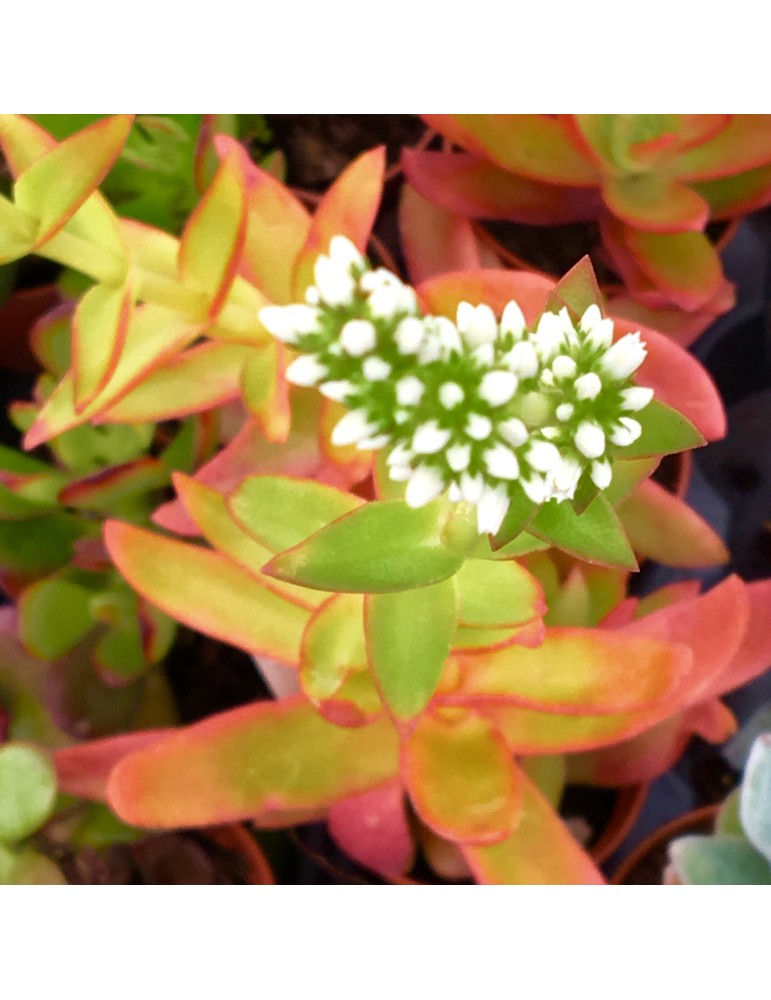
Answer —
348 208
84 770
576 672
277 228
474 188
537 146
595 535
542 851
373 829
497 595
251 762
663 527
434 240
213 238
655 202
471 641
738 195
461 778
266 391
684 266
753 655
99 330
577 290
104 489
442 295
680 327
409 634
207 592
55 185
672 593
23 142
744 144
198 379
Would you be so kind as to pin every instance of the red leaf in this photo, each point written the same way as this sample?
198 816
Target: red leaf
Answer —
373 829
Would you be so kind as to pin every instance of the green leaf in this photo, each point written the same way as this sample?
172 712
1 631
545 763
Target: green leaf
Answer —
755 802
28 868
727 820
576 291
596 535
719 860
497 595
27 791
281 512
40 551
664 432
521 512
408 640
381 547
54 614
627 476
522 545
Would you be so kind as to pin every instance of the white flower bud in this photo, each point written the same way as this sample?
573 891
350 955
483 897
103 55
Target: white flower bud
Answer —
401 455
451 395
344 253
424 486
636 398
498 387
491 510
563 366
522 359
512 320
373 443
409 335
565 479
513 431
543 456
358 337
626 432
478 427
399 473
602 474
477 325
430 438
277 320
430 350
353 427
375 369
384 302
590 439
501 462
306 370
409 390
624 357
535 488
336 286
471 487
564 411
454 494
549 336
458 457
588 386
448 335
338 390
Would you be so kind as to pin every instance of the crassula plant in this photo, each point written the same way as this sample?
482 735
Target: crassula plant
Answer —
739 851
651 182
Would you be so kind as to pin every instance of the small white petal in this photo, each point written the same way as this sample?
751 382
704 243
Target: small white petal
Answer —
401 416
601 474
401 455
478 427
523 359
543 456
357 337
626 433
590 318
375 369
484 354
590 439
409 335
535 488
338 390
458 457
478 326
430 438
373 443
571 336
448 335
550 433
455 495
501 462
336 286
566 478
547 377
512 320
564 411
277 320
471 487
430 350
384 302
424 486
601 335
373 281
399 473
636 398
624 357
312 296
451 395
588 386
304 319
408 300
491 510
549 336
353 427
563 366
514 431
306 370
409 390
464 316
344 253
497 388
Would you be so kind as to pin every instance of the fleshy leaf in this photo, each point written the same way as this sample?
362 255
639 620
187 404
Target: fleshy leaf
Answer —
54 614
655 202
408 640
27 790
207 592
99 329
685 266
333 645
265 390
460 778
383 546
373 829
577 290
435 240
664 432
755 802
497 595
596 535
718 860
541 851
197 777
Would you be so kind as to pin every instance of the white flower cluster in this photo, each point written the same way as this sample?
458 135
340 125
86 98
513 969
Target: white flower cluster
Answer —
480 407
